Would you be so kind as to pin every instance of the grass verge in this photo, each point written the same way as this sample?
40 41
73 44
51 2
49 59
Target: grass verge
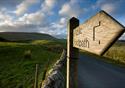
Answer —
18 70
115 55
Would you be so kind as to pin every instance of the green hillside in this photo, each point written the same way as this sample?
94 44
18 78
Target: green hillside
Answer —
117 52
22 36
18 60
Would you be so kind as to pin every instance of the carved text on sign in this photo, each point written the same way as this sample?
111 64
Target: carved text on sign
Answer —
82 43
97 34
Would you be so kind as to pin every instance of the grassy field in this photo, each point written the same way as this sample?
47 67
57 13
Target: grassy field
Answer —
18 60
117 52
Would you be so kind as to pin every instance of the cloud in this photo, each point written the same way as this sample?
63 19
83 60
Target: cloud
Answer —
9 24
107 6
33 18
19 28
71 9
59 25
47 6
23 7
39 16
110 8
63 21
122 37
67 10
30 22
57 29
5 18
51 16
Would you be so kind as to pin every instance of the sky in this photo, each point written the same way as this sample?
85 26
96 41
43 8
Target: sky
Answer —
51 16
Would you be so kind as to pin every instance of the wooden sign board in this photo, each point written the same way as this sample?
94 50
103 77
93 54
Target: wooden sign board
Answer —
97 34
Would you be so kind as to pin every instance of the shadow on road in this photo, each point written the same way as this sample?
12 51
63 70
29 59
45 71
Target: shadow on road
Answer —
94 73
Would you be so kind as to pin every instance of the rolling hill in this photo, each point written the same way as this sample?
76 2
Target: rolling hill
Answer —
23 36
121 41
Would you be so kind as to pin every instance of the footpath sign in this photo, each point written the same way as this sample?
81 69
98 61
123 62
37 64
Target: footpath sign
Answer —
96 35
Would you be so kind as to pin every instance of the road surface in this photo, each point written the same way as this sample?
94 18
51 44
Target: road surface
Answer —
94 73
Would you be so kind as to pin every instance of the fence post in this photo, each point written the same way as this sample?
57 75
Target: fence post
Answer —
72 55
36 77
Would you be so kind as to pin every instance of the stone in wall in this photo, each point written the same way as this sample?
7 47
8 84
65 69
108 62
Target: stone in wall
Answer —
55 78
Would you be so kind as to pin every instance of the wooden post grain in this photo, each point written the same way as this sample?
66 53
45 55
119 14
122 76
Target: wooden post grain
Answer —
72 55
36 77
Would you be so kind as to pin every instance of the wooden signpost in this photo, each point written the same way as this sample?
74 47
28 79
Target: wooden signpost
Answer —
72 55
96 36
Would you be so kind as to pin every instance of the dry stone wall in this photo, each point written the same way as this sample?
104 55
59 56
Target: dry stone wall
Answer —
55 78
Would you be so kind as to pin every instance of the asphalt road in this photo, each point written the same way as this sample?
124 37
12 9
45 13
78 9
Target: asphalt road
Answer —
94 73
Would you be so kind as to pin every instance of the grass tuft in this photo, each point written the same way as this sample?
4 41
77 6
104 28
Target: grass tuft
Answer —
117 52
27 54
18 60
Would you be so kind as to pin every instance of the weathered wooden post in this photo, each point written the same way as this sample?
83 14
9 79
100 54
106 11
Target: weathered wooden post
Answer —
100 32
72 55
36 77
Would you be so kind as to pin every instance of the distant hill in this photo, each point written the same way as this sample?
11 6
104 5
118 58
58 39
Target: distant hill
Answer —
121 40
23 36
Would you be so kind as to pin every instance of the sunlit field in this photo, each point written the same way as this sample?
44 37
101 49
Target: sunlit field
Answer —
18 60
117 52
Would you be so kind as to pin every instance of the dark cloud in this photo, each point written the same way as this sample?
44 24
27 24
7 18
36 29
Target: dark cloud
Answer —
116 5
11 4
